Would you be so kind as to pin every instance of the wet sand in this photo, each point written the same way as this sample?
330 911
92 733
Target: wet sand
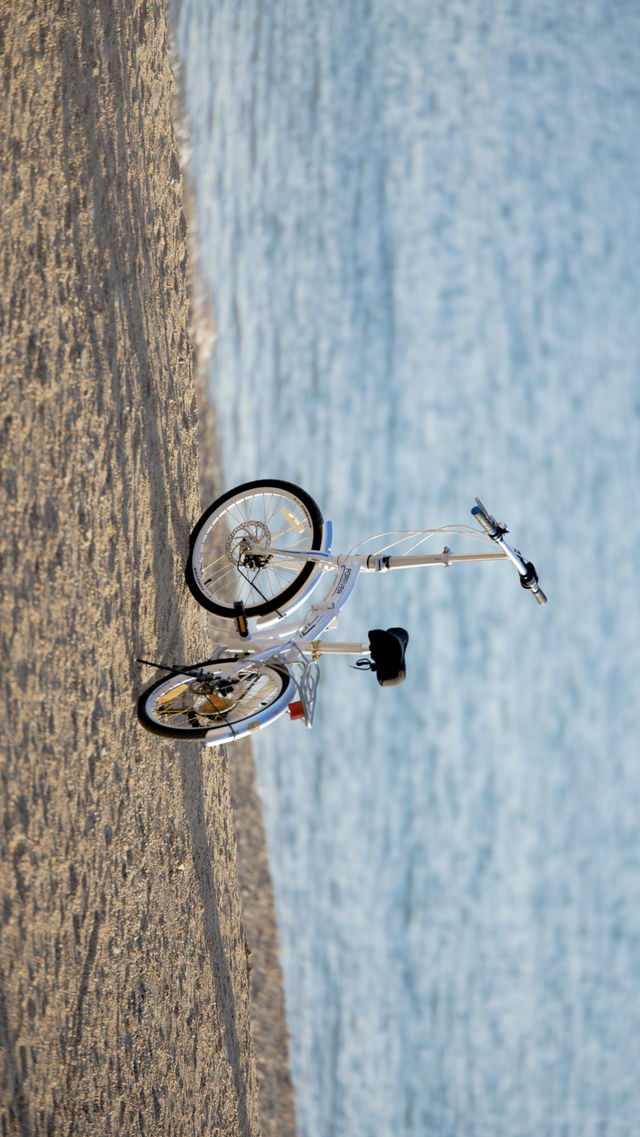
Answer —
124 963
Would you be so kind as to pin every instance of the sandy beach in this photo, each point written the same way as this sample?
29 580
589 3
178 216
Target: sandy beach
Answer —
125 964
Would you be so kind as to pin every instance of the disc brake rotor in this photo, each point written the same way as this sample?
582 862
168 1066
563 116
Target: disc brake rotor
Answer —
236 544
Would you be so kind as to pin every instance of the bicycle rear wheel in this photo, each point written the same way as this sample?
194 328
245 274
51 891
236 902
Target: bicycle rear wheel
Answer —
223 569
191 707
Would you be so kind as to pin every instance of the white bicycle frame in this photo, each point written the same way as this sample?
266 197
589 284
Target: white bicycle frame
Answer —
298 645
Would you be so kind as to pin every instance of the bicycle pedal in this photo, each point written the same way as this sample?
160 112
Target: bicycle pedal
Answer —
241 620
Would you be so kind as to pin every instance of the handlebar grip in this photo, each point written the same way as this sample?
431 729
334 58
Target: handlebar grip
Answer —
488 523
530 581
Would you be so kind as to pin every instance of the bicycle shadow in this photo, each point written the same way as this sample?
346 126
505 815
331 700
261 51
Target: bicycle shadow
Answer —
195 807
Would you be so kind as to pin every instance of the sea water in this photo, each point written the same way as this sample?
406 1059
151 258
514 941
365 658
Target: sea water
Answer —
419 223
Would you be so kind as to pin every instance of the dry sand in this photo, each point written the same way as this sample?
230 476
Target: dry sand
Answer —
124 965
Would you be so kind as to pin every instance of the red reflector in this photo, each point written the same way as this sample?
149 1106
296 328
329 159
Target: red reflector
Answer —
296 711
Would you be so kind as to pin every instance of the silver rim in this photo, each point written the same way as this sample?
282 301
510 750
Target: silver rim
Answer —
227 570
182 703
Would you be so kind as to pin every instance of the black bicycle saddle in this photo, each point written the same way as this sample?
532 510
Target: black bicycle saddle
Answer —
387 655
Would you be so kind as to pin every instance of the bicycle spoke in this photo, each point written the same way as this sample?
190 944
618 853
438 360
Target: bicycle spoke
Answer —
226 564
187 706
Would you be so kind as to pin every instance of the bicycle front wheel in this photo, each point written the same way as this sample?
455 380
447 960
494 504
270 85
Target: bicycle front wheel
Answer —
213 703
225 566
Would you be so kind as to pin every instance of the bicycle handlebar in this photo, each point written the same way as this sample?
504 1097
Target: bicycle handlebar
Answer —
496 531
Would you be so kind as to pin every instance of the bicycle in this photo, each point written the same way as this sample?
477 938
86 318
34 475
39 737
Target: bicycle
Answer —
258 553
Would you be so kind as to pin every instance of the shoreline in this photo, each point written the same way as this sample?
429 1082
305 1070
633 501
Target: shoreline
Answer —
124 978
276 1096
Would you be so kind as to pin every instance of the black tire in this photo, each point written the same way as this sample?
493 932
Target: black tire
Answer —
189 707
220 573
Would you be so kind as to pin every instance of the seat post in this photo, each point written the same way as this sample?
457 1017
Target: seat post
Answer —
319 647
